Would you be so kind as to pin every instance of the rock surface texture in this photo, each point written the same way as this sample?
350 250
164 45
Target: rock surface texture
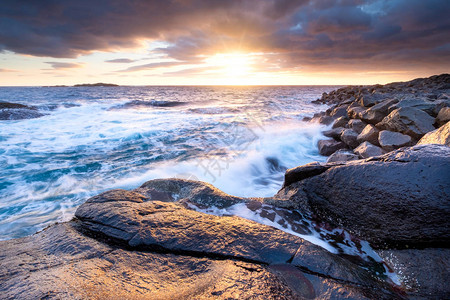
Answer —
130 245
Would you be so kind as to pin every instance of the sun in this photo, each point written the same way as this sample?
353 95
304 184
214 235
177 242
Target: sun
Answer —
231 65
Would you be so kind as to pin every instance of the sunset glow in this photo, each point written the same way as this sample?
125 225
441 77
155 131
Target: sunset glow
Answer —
224 42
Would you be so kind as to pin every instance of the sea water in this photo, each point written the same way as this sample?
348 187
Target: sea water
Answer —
92 139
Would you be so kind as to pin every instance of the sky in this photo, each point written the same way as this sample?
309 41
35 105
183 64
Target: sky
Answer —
219 42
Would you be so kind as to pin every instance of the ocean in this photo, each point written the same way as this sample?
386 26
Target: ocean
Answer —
93 139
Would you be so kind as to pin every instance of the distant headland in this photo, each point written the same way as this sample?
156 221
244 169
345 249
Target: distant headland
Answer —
87 85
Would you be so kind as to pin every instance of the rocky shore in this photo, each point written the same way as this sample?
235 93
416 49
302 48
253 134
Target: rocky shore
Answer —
386 184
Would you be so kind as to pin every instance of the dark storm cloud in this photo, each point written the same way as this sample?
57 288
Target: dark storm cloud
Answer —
295 33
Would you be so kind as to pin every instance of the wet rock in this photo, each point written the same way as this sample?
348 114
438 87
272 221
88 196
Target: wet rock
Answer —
369 134
302 172
411 121
398 199
438 136
63 263
376 113
357 125
16 111
334 133
366 150
423 272
340 122
349 137
342 156
390 140
328 147
197 192
170 227
443 116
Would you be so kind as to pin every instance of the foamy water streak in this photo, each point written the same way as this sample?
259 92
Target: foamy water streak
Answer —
241 139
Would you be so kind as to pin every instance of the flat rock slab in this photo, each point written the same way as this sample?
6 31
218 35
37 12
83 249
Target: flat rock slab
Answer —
400 199
157 225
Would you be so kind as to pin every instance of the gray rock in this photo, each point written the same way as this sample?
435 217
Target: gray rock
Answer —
369 100
390 140
366 150
340 111
376 113
398 199
334 133
342 156
198 192
355 112
16 111
349 137
328 147
369 134
443 116
438 136
419 103
411 121
357 125
423 272
63 263
340 122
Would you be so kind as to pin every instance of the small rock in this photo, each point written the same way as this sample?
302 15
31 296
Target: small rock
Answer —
340 122
340 111
328 147
369 134
408 120
357 125
438 136
355 112
342 156
390 140
366 150
349 137
443 116
377 112
334 133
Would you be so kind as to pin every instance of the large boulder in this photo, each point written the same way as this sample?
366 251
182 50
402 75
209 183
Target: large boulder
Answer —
411 121
438 136
328 147
443 116
376 113
366 150
419 103
357 125
349 137
127 244
340 122
390 140
341 156
400 199
334 133
369 134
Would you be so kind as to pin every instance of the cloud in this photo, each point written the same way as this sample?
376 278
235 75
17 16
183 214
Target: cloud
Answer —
156 65
7 70
306 34
121 61
63 65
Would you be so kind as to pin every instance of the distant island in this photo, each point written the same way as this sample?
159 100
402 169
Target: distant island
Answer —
85 85
96 84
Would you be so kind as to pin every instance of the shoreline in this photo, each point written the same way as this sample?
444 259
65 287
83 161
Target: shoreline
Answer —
120 241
